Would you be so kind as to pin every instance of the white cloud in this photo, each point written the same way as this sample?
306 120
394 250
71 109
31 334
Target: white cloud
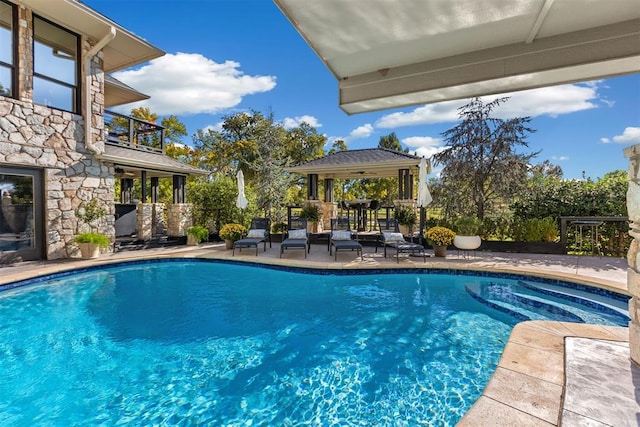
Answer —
551 101
424 146
548 101
360 132
630 135
292 122
442 112
560 158
189 83
605 140
363 131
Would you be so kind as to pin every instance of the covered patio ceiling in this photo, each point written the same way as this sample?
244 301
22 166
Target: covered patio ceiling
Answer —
388 54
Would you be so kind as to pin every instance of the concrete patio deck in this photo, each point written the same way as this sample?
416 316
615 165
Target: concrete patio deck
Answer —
547 369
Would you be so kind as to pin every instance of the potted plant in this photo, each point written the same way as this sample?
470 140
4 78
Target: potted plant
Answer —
467 238
313 215
90 244
440 238
406 218
232 232
196 234
92 241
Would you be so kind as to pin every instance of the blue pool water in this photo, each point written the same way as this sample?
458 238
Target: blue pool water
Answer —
203 343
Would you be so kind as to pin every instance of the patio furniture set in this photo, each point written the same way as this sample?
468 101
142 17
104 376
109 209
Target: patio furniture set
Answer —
341 238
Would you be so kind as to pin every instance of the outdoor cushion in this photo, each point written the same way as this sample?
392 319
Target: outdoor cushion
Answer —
298 234
256 233
341 235
393 237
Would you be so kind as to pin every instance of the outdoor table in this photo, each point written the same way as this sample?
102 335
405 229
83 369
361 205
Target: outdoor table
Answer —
360 207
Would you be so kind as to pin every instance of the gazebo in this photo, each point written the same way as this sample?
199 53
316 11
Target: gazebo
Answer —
358 164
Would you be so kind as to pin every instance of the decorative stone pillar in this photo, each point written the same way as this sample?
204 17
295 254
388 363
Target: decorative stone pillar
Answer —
329 210
633 257
145 220
157 223
179 218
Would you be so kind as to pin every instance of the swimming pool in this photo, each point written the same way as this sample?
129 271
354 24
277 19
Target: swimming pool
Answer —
188 342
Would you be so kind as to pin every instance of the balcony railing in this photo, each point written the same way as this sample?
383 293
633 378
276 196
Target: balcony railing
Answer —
133 133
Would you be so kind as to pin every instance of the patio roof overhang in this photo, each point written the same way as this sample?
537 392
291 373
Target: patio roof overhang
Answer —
125 50
118 93
388 54
130 163
358 164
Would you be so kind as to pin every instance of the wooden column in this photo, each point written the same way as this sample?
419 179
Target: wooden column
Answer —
143 179
312 186
154 189
405 184
179 189
328 189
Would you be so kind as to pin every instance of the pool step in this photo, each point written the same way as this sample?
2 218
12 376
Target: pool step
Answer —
603 303
521 306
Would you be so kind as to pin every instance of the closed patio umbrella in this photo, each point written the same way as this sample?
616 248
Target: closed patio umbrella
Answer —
241 201
424 196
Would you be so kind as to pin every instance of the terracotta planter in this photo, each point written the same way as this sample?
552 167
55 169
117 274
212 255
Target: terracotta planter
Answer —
89 250
467 243
440 251
228 244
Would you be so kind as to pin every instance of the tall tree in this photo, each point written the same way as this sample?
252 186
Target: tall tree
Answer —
481 162
391 142
338 145
272 180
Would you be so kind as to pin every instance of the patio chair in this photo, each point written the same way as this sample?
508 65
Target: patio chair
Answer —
391 237
341 238
297 237
259 232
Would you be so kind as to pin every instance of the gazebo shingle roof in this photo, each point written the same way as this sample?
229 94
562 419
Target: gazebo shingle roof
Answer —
363 163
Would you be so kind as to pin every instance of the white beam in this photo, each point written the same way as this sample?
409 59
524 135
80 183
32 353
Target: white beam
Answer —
595 53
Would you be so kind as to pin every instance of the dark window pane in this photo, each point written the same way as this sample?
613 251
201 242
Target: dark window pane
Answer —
16 214
52 94
55 66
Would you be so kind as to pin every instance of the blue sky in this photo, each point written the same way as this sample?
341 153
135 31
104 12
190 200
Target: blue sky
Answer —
227 56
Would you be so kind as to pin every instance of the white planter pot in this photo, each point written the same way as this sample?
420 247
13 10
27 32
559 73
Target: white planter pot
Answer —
467 243
191 240
89 250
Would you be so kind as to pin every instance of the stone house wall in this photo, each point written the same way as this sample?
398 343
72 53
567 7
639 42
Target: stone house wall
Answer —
35 136
633 257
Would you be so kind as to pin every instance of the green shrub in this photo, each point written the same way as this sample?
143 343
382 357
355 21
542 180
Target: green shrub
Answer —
405 216
311 212
98 239
467 226
198 232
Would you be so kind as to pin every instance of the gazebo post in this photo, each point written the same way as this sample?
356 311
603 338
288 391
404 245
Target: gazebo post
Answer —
312 186
328 189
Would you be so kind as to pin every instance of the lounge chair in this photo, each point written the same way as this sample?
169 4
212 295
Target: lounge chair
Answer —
297 237
258 233
395 239
341 238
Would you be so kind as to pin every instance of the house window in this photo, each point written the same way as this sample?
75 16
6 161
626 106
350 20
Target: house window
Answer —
55 66
7 49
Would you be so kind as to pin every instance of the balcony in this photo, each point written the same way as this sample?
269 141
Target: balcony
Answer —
133 133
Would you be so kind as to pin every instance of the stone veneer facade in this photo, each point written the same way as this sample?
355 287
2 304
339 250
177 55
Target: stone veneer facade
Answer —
633 257
51 140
